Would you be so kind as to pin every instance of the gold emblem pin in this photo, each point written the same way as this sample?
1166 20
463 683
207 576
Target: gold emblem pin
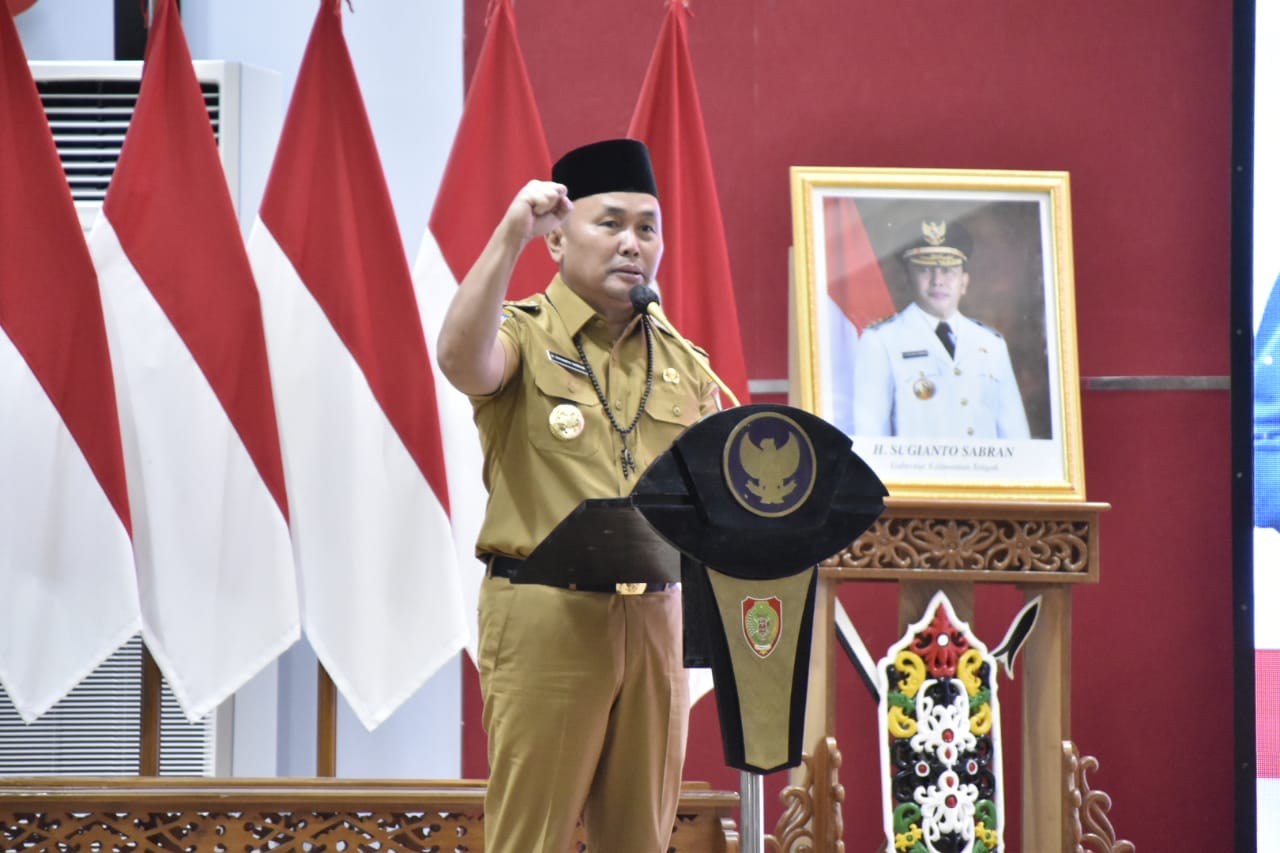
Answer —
935 233
671 375
924 389
566 421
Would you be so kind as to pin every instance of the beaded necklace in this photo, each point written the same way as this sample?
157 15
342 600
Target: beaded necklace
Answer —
628 461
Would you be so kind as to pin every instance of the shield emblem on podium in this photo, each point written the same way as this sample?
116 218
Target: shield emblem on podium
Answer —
762 623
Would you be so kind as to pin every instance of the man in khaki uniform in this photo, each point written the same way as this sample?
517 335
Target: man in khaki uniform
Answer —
585 695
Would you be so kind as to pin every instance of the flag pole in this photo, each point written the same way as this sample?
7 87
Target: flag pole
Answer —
326 724
751 804
149 739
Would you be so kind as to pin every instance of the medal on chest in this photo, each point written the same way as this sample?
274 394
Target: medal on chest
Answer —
923 388
566 422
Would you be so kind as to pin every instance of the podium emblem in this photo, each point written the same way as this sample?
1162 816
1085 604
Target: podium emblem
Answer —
769 464
762 624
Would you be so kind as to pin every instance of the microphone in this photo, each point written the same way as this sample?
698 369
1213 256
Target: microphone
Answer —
642 296
644 299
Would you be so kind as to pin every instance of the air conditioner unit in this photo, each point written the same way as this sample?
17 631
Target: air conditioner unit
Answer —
89 105
95 730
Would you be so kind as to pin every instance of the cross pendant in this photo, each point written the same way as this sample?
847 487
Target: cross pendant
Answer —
628 462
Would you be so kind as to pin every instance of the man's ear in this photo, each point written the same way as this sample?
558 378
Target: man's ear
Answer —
555 244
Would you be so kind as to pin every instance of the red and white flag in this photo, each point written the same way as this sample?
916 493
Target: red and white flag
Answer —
206 483
857 296
66 562
854 279
475 191
695 282
356 397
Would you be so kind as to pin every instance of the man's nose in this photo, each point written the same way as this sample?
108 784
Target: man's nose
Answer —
627 242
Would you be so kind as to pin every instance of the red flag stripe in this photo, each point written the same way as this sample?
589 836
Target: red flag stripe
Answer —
474 191
1267 698
854 278
195 266
697 287
343 240
47 280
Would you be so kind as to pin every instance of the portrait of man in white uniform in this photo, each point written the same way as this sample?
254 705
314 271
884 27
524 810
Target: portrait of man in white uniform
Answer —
931 371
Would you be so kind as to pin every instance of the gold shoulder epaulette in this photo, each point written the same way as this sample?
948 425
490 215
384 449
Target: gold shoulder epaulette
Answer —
662 327
988 328
880 322
528 306
531 306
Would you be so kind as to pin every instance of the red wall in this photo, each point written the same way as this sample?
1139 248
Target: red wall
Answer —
1133 99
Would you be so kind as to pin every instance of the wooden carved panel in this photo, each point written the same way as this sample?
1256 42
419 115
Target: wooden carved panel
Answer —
1011 544
1088 827
813 821
222 832
231 816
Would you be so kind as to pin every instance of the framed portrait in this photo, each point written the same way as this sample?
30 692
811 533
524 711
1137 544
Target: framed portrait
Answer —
934 322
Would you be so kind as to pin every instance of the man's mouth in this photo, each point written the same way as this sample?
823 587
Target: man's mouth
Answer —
634 273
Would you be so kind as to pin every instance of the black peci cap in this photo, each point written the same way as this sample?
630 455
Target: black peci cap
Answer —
610 166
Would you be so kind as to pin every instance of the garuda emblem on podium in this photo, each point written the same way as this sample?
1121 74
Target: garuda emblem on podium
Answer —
769 464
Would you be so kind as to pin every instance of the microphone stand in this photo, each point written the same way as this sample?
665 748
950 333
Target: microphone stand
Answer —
751 785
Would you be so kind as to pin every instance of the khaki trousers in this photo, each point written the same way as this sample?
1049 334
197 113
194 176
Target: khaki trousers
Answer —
586 707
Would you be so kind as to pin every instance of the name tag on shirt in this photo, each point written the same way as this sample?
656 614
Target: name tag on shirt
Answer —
916 353
567 363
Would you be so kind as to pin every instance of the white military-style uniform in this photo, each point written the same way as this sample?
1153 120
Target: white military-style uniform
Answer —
906 384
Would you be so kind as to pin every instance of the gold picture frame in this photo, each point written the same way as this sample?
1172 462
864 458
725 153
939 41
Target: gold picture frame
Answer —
880 256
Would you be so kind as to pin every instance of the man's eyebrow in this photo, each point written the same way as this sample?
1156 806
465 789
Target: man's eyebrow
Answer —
614 210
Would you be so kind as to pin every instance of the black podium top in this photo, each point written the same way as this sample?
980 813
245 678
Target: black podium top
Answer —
603 541
756 492
760 491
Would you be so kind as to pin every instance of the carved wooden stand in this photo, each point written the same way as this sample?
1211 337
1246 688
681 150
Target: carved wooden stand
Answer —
1042 548
164 815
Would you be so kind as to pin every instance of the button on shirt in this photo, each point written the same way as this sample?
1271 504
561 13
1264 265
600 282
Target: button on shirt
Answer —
536 475
906 384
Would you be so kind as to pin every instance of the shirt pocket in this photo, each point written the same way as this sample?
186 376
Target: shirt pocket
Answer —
673 405
563 413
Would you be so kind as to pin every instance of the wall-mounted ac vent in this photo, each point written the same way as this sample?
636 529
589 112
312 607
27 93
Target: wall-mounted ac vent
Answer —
95 730
89 118
89 105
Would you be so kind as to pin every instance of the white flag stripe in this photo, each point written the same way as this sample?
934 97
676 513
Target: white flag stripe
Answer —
1266 587
210 539
59 531
365 521
464 461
